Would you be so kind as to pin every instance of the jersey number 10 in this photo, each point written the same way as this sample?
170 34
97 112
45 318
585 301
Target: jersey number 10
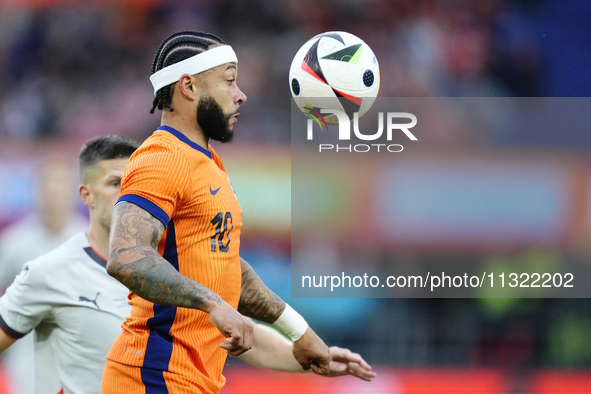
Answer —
219 220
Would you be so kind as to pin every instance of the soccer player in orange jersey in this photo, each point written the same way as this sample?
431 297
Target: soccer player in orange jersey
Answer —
175 238
77 321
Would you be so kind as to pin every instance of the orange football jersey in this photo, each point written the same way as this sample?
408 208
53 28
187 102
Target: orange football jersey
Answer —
185 187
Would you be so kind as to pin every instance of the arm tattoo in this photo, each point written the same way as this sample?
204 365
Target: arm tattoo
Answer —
134 262
256 300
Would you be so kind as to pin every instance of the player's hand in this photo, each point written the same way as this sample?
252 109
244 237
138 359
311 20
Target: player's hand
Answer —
235 327
311 352
345 362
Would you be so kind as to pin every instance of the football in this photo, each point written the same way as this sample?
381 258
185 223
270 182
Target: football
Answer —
335 70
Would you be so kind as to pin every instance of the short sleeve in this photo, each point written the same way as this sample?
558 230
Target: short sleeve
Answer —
155 179
26 302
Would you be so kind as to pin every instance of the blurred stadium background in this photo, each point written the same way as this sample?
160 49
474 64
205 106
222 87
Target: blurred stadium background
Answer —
74 69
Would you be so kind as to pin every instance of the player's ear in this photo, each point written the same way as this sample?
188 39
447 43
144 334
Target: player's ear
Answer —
86 196
187 87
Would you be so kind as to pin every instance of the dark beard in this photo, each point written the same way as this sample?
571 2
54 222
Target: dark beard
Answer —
213 121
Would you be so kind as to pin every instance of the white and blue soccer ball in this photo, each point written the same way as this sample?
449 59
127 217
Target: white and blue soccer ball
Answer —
335 70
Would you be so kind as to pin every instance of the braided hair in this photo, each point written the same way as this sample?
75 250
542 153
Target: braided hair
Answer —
178 47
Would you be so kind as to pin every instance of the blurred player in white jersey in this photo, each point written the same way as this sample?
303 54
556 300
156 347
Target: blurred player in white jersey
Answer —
53 222
76 308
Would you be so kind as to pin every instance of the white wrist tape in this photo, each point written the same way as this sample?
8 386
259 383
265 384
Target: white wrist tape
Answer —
292 323
194 65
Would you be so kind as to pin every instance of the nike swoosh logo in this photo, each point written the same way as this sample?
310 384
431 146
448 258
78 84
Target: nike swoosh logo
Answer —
214 192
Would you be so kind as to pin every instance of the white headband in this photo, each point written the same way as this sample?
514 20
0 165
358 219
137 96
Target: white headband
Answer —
193 65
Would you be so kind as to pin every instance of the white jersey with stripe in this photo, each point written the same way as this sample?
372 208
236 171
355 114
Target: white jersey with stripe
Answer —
76 310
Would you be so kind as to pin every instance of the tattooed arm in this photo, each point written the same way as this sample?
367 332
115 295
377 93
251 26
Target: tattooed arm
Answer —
133 261
256 300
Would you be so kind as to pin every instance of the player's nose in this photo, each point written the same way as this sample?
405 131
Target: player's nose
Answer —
240 97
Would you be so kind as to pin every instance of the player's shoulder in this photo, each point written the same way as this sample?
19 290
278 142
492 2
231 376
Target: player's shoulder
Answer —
216 158
160 142
161 147
59 258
